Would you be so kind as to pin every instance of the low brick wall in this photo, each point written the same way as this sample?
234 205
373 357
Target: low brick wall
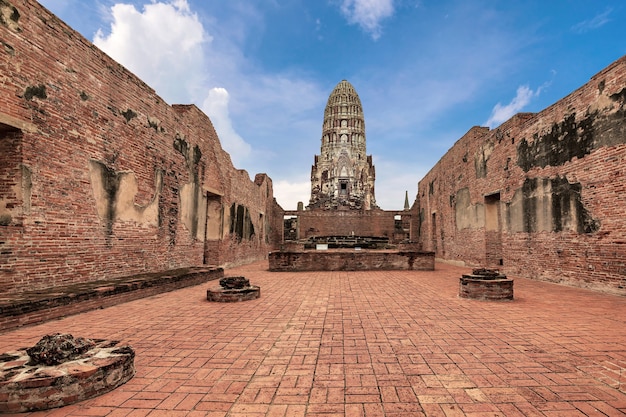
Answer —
40 306
351 260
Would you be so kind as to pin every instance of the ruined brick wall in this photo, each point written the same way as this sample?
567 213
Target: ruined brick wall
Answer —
99 177
542 196
346 260
346 223
277 226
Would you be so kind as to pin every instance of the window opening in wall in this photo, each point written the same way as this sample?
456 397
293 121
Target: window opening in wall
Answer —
493 230
12 176
290 227
239 221
343 188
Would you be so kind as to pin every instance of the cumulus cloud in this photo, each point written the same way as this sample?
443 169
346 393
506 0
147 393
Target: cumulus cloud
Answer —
162 44
367 14
216 107
166 45
288 194
502 113
191 60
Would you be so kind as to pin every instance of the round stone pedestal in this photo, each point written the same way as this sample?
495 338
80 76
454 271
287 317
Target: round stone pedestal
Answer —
233 289
25 386
486 285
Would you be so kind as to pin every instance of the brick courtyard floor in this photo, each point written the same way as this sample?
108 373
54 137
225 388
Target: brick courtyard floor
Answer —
392 343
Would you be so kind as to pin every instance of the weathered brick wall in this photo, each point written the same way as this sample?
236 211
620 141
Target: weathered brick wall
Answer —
347 223
345 260
100 177
542 196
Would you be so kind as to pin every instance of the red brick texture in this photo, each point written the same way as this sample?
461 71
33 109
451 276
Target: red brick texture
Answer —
350 260
66 108
347 223
542 196
367 343
486 289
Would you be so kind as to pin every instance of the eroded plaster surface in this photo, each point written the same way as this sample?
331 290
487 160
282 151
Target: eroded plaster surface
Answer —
468 215
115 191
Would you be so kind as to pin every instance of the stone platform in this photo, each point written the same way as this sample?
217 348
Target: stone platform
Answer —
31 307
351 260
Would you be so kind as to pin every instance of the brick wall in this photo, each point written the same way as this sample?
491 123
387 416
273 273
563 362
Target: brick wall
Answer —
346 223
542 196
345 260
100 177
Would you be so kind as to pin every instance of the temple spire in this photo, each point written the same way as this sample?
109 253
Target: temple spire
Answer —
342 177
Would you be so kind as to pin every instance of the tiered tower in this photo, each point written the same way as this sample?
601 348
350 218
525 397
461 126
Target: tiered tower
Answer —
342 177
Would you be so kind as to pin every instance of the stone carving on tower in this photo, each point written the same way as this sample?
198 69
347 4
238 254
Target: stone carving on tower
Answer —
342 177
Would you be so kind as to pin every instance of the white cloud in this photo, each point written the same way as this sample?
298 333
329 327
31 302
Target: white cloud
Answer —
288 194
162 44
216 107
502 113
596 22
166 46
367 14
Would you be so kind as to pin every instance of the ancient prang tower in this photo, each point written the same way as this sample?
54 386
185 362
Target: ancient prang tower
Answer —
342 177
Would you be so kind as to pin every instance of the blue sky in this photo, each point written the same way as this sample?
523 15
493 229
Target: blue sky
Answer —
426 70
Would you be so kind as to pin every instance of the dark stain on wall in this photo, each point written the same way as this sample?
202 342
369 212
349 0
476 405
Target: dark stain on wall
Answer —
480 161
129 115
38 91
611 128
570 138
192 156
111 184
241 222
529 205
567 206
565 141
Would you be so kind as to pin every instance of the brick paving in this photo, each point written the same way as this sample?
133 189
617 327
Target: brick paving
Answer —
376 343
